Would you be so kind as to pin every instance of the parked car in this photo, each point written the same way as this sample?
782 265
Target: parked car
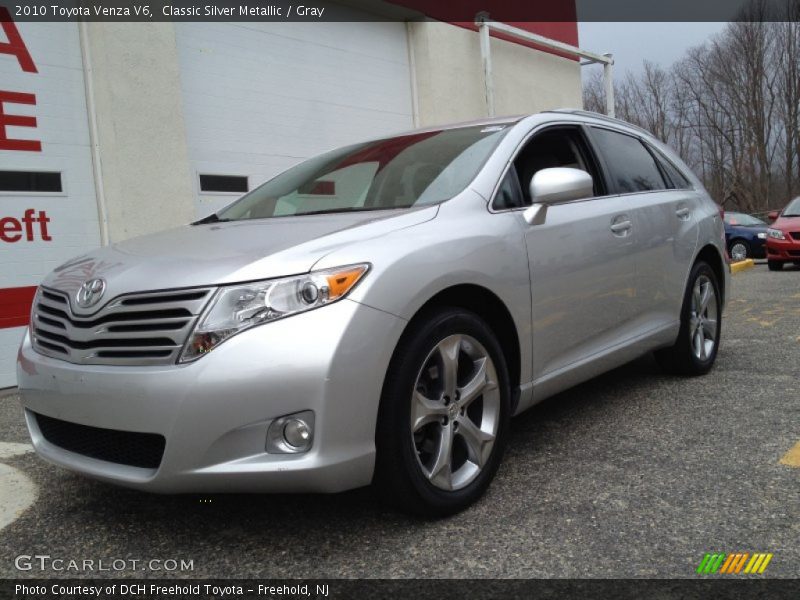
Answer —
745 236
377 313
783 236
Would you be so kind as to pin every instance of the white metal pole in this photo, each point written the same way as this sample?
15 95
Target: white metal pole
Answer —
608 79
486 58
94 136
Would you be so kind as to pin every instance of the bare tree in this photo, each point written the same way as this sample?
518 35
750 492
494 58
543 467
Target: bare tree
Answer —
730 107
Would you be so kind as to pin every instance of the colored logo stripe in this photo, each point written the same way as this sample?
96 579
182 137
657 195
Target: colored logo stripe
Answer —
15 306
733 563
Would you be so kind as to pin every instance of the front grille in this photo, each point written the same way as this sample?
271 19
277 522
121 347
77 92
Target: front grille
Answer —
130 448
147 328
795 235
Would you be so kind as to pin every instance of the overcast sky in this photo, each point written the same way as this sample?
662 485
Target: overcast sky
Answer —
631 43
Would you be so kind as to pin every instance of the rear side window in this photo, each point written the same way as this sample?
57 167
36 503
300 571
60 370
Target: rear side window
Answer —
631 167
678 180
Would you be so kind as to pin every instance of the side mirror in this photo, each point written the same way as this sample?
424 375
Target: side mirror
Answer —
556 186
772 215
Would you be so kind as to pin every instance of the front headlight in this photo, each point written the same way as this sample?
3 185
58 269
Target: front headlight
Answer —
239 307
762 235
776 233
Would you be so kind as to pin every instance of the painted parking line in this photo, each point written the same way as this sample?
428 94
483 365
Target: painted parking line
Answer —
792 457
17 492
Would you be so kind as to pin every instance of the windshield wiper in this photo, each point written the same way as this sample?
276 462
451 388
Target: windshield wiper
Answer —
212 218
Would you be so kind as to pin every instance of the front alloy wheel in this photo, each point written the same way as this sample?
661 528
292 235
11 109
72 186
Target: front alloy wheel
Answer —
455 412
443 414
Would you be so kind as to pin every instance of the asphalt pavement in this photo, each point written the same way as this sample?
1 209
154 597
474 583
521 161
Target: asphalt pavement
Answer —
633 474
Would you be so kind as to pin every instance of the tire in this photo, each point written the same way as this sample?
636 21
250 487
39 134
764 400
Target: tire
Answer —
739 249
692 355
410 470
774 265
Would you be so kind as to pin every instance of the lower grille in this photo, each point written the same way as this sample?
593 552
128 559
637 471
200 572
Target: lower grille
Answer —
130 448
795 235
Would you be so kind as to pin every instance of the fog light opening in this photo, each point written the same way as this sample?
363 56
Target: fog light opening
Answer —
291 434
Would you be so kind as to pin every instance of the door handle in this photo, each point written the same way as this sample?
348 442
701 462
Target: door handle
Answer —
683 212
621 226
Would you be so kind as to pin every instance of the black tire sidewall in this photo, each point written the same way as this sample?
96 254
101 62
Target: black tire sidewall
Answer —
397 468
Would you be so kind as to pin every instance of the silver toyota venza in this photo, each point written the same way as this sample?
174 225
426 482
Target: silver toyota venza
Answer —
378 313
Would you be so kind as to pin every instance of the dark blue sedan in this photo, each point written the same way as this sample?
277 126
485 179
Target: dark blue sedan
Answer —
745 235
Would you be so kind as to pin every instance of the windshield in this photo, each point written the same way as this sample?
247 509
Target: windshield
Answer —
742 220
793 210
410 170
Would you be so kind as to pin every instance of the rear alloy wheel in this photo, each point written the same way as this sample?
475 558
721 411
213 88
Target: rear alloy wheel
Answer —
739 250
695 350
774 265
443 416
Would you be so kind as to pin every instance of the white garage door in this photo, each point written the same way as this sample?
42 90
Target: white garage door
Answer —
260 97
48 211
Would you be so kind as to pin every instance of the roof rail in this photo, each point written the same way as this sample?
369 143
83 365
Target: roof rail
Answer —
598 116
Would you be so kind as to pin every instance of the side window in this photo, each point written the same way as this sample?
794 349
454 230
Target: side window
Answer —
556 147
508 195
674 175
631 167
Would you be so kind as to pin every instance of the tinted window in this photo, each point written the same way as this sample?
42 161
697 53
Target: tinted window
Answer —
679 180
410 170
30 181
632 168
508 194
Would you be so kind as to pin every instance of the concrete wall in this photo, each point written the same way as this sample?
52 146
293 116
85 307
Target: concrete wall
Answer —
134 74
449 76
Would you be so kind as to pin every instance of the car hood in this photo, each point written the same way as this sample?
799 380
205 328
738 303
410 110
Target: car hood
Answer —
750 228
786 223
219 253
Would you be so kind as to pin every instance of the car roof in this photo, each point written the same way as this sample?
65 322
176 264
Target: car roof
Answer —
580 116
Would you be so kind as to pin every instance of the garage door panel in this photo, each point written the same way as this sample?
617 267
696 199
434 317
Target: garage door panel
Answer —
260 97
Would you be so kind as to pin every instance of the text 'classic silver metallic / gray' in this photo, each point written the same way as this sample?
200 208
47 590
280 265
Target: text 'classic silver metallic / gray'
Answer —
378 313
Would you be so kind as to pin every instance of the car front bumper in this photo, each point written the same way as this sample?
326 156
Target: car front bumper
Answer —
214 413
787 250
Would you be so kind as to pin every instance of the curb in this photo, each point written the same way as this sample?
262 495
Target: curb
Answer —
742 265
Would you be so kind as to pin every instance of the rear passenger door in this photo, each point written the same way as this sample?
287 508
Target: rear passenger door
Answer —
664 208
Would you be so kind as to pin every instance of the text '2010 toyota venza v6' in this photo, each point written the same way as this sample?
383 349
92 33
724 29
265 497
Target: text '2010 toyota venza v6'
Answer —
378 313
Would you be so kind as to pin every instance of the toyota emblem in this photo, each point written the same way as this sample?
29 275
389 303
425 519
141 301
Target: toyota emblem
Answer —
91 292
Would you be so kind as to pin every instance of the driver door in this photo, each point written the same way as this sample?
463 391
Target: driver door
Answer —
582 259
